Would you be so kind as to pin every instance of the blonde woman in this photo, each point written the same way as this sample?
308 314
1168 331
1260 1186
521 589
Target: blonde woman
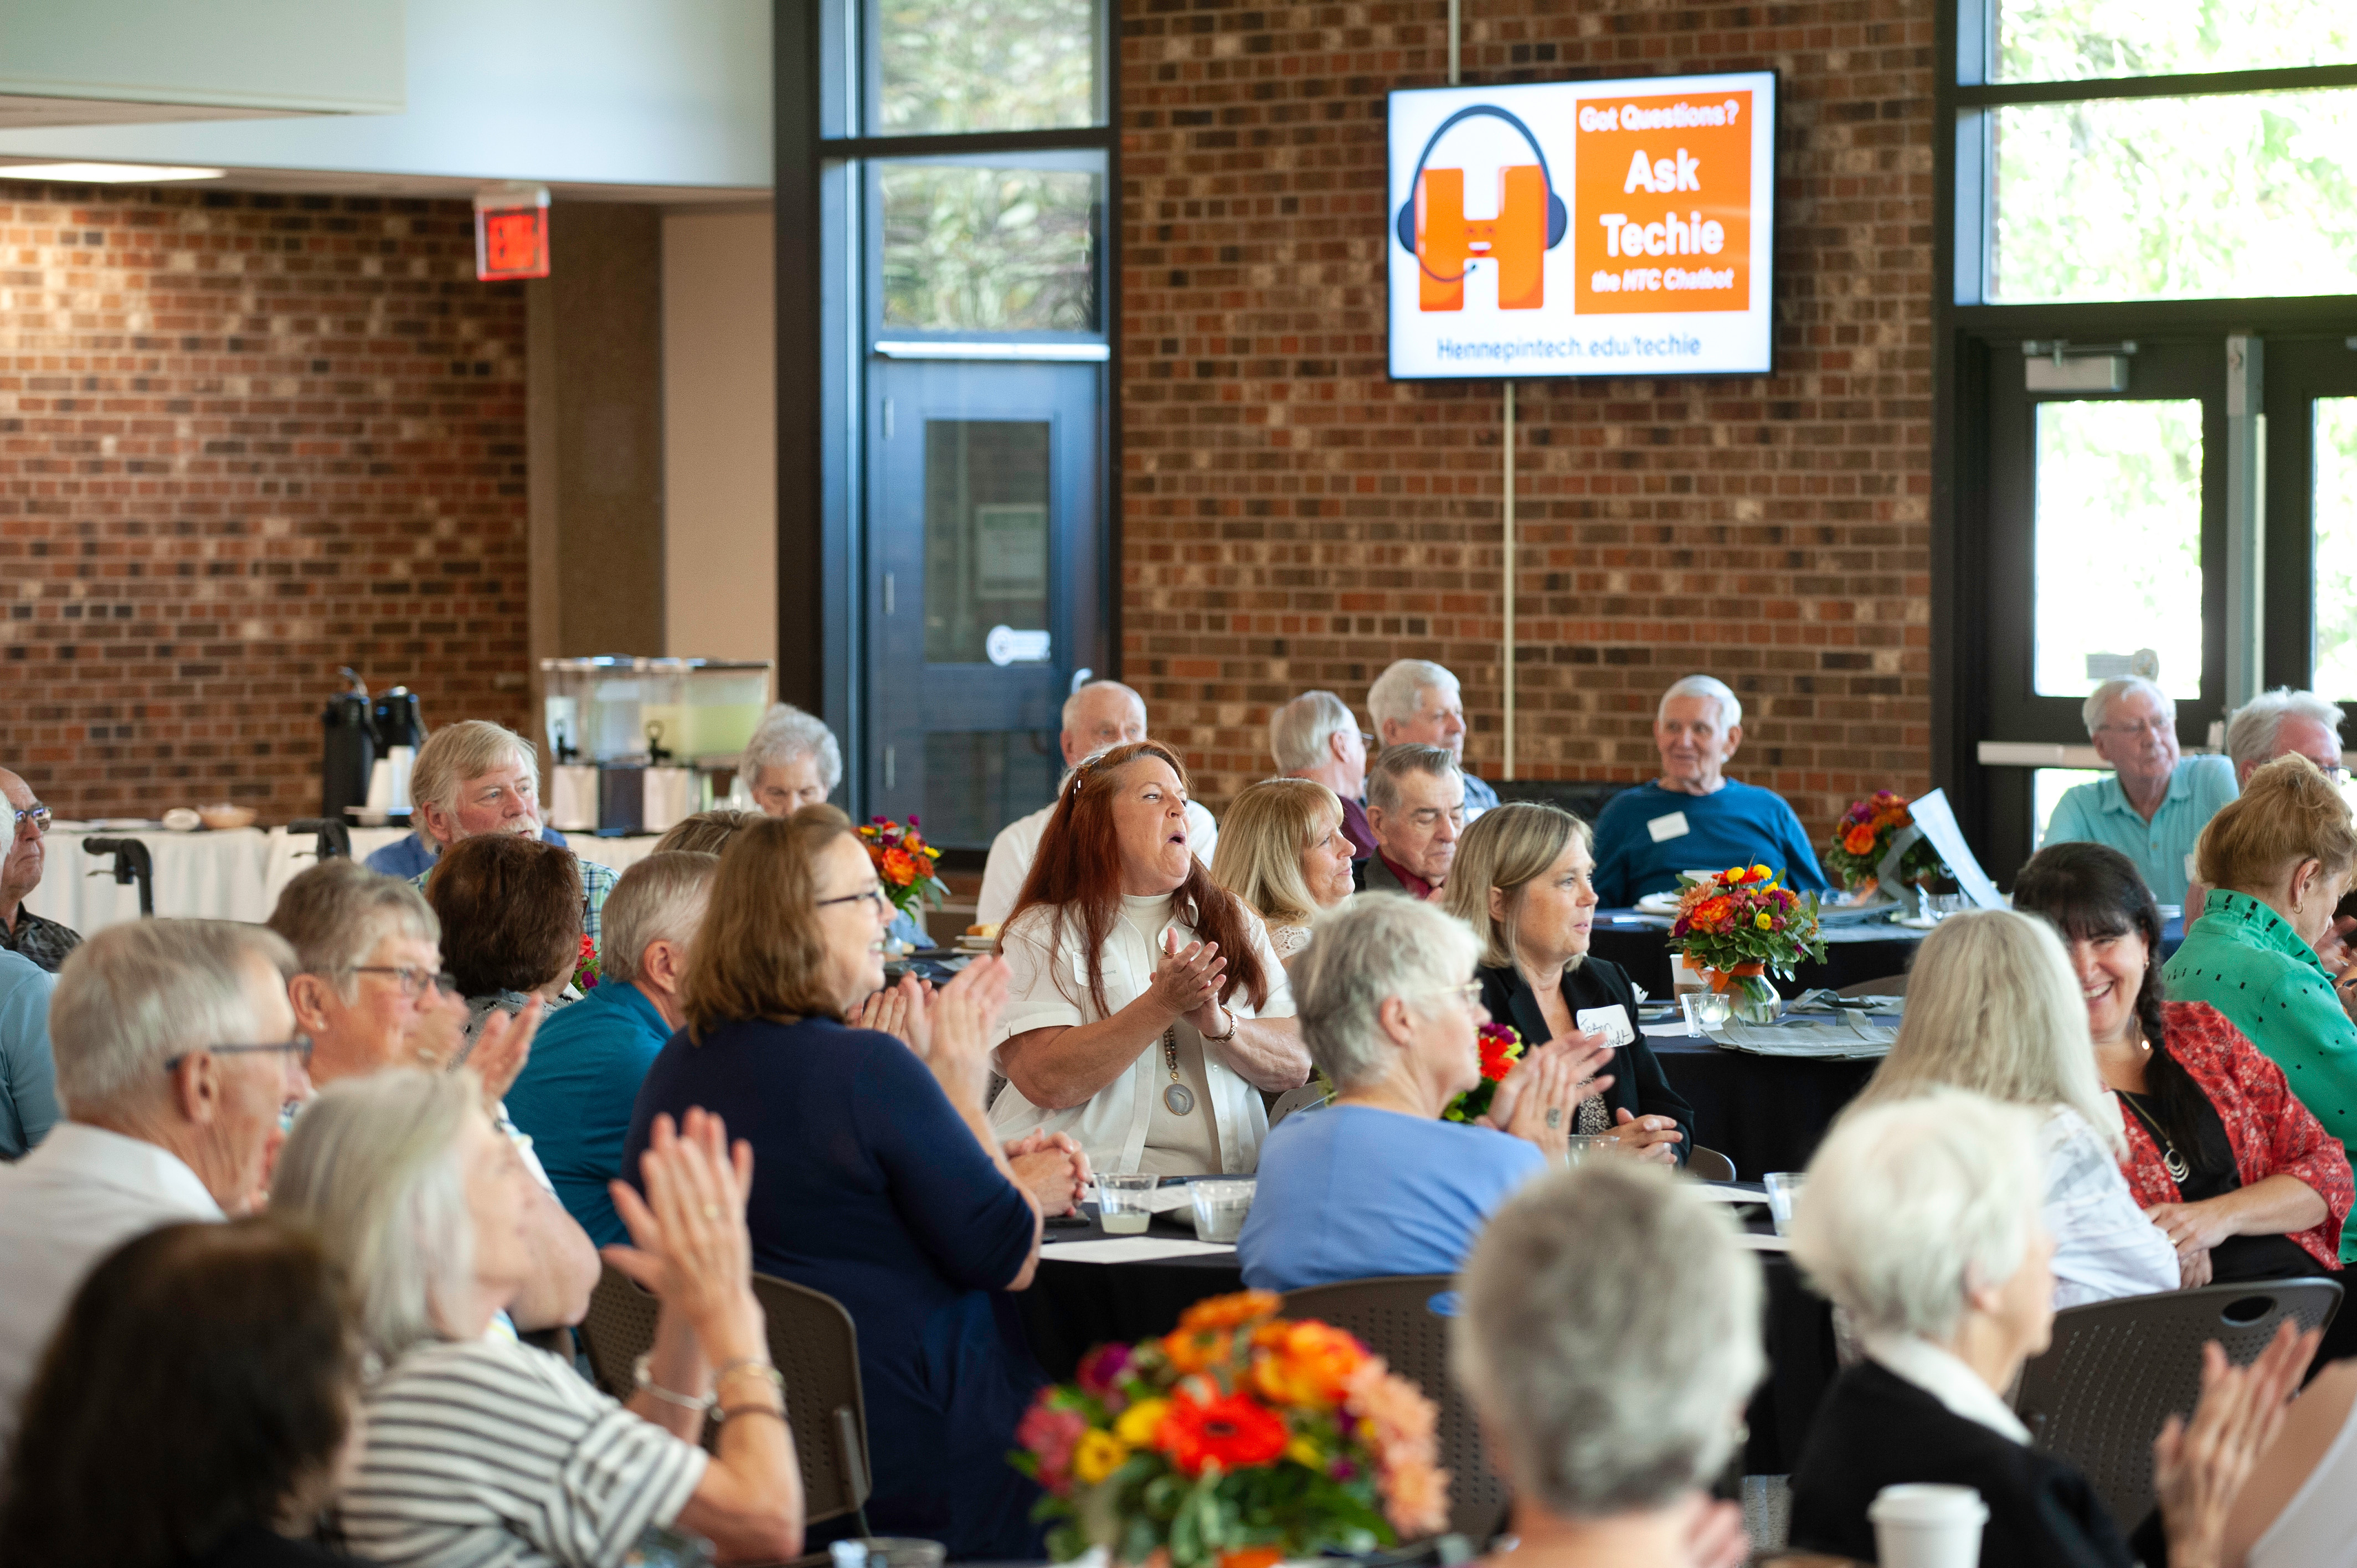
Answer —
1992 1007
1283 852
1525 883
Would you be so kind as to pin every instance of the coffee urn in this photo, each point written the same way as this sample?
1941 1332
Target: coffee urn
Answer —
348 754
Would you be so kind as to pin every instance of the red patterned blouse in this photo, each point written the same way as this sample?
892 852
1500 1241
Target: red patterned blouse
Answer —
2272 1133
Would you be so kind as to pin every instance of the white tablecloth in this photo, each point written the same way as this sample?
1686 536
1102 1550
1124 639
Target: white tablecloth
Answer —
234 875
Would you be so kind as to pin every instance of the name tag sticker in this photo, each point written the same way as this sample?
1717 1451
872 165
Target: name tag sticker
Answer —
1612 1020
1664 829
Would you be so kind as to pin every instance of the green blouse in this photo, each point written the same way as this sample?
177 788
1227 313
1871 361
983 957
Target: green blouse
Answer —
2244 959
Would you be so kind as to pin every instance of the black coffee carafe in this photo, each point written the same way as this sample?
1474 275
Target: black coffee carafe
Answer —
349 749
398 721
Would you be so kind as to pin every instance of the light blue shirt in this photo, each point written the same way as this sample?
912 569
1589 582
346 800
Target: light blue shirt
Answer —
2099 812
28 1078
1354 1193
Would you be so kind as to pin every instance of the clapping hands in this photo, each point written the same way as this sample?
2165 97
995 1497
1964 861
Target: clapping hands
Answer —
1538 1100
2198 1467
1053 1167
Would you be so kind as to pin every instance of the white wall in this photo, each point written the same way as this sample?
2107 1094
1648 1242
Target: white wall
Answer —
720 436
672 93
276 56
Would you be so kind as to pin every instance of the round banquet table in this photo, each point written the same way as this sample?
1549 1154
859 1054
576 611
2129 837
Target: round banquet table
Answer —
1073 1307
1854 955
1766 1113
232 875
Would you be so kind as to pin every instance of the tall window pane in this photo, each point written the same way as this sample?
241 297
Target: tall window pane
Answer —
2119 553
2335 512
985 65
989 249
2232 196
2072 40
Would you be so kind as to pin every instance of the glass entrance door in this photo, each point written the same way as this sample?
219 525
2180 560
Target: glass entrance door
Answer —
982 586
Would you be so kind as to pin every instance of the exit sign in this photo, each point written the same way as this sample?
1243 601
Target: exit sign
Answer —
511 233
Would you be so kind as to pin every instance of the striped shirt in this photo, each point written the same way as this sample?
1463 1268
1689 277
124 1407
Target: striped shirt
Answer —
484 1454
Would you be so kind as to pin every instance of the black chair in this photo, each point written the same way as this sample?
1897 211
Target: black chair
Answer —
816 1348
1891 985
1583 798
1309 1097
1709 1164
1396 1320
620 1329
2117 1369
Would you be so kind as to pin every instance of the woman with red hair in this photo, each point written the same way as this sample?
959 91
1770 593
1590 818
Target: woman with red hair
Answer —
1146 1008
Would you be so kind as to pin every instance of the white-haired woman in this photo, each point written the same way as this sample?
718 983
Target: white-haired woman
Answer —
1921 1221
792 761
482 1450
1379 1183
1992 1006
1608 1337
1284 853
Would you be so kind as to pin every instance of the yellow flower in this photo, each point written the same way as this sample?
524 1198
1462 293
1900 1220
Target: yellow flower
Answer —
1734 874
1763 920
1098 1455
1303 1452
1761 873
1140 1421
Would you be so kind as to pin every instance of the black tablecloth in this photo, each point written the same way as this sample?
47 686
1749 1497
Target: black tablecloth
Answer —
1766 1113
1073 1306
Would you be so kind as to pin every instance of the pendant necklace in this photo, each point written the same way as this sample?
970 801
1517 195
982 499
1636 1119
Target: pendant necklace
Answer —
1177 1096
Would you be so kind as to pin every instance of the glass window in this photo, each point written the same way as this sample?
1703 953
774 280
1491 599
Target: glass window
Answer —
951 66
2335 504
2071 40
2251 195
968 248
986 557
2046 788
2118 550
978 781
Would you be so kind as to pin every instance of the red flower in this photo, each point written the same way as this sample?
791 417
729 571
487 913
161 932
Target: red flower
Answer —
1236 1433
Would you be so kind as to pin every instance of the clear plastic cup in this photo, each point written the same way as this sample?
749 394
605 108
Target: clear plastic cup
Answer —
1783 1189
887 1552
1122 1202
1220 1206
1925 1526
1586 1147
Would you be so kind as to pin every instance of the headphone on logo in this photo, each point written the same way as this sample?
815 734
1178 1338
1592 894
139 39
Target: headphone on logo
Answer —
1558 218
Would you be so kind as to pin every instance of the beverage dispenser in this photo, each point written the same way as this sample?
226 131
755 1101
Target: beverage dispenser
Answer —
636 741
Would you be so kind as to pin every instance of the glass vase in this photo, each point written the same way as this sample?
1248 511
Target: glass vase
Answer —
1756 998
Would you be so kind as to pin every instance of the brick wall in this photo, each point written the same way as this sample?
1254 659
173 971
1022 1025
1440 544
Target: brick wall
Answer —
244 439
1294 518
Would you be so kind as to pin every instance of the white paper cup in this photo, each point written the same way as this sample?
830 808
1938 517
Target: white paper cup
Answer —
1925 1525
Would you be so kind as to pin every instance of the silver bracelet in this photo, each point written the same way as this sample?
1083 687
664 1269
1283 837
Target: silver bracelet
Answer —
646 1382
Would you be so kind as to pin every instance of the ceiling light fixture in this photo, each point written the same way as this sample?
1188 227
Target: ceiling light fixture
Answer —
106 174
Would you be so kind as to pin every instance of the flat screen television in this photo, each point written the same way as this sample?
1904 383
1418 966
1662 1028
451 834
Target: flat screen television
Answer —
1582 228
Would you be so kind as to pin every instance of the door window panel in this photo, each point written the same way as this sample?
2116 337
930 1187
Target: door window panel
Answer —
986 556
974 249
951 65
2118 543
2047 786
2334 499
976 781
2072 41
2252 195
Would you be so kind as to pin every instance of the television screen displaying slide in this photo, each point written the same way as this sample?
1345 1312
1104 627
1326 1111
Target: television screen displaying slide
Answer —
1582 228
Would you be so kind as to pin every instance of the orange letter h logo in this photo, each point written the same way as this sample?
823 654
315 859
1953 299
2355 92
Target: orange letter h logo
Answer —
1447 243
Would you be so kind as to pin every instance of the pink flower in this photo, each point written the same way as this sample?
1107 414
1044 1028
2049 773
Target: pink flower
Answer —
1102 1367
1051 1433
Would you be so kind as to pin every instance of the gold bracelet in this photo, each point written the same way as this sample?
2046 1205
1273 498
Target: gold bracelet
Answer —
726 1413
730 1369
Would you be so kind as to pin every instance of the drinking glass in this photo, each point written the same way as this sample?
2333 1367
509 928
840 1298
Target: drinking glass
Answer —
1122 1202
1783 1189
1704 1010
1585 1146
887 1552
1221 1208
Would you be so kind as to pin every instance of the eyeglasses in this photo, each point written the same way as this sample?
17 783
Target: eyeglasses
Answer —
412 981
1466 995
300 1046
35 817
871 894
2151 726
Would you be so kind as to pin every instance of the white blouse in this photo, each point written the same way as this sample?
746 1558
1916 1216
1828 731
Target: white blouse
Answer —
1047 986
2103 1245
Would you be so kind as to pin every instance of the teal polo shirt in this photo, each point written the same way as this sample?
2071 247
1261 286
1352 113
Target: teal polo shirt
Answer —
2245 960
575 1094
2100 813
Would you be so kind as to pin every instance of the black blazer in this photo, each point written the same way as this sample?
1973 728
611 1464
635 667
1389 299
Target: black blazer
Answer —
1875 1429
1639 1086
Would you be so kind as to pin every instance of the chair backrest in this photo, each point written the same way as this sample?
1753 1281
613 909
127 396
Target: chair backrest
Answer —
1398 1320
816 1348
2118 1369
1889 985
1709 1164
1309 1097
620 1328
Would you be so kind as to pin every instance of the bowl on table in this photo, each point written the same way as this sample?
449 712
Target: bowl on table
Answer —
224 818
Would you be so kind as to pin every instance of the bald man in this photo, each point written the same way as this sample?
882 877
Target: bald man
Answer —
1099 716
22 932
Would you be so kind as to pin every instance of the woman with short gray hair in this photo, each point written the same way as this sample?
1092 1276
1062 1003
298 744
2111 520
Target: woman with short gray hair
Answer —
481 1449
1921 1221
1380 1182
1609 1335
792 761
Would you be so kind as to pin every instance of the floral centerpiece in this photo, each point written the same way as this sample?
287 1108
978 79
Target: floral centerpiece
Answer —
1864 836
1738 925
584 967
1501 1047
904 862
1236 1440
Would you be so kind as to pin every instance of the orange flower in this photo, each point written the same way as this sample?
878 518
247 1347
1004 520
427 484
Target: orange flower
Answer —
1198 1350
1231 1311
899 867
1234 1433
1305 1363
1860 839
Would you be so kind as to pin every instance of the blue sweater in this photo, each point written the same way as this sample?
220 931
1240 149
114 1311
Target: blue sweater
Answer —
1740 824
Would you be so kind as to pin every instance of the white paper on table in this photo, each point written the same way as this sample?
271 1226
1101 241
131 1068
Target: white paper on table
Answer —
1933 814
1712 1192
1131 1250
1760 1243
